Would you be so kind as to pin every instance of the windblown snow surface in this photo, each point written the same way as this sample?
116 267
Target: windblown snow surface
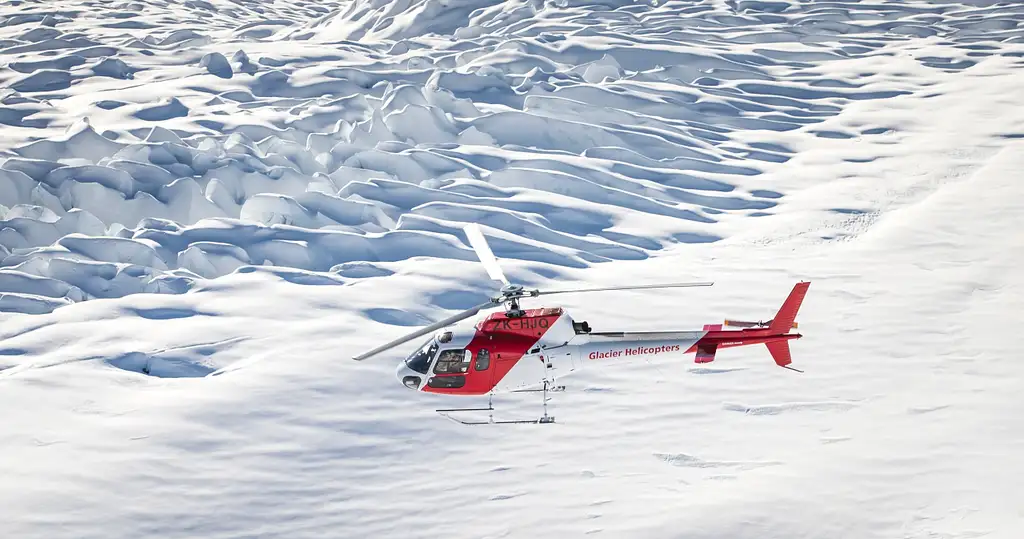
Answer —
210 206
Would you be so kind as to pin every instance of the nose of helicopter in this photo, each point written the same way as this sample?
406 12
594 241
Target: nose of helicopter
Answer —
409 378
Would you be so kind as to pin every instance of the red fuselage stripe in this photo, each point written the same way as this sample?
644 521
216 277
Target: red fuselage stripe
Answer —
506 340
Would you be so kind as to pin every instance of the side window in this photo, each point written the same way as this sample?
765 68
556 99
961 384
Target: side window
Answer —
483 360
452 362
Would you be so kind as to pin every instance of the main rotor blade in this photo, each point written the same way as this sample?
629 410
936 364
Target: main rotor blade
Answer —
634 287
425 330
484 253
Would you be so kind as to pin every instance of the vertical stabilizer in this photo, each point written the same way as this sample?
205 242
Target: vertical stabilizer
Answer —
784 319
705 353
780 352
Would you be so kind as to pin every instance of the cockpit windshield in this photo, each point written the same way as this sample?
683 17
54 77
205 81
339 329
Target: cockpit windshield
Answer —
419 360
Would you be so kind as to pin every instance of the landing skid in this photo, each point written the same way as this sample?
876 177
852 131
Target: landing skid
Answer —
543 420
552 389
491 421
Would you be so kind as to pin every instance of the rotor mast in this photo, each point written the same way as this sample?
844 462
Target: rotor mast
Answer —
511 293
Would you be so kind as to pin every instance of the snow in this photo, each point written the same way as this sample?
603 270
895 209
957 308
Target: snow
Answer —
208 207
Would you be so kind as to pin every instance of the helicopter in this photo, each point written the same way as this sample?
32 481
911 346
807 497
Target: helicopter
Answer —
519 349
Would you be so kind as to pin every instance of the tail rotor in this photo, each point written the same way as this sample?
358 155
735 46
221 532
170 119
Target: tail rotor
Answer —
775 332
758 324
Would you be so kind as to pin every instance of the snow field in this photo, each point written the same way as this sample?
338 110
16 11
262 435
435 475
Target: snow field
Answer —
209 207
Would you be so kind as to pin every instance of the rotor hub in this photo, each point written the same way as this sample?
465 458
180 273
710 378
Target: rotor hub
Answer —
512 290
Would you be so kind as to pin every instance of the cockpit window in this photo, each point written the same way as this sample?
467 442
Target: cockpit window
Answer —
419 360
452 362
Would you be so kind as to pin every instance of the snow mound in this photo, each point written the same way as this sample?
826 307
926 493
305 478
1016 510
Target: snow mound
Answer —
587 132
374 20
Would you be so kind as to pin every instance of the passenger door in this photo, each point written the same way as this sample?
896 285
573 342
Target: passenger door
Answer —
483 367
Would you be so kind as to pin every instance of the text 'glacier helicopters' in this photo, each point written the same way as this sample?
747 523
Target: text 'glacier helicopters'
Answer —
519 350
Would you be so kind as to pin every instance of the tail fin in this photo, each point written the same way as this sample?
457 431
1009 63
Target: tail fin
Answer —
784 319
780 352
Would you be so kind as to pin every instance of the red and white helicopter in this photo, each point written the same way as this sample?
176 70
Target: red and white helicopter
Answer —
518 350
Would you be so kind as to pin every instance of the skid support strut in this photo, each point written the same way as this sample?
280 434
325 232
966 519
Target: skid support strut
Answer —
543 420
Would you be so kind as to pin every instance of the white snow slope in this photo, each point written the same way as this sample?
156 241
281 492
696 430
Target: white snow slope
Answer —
207 207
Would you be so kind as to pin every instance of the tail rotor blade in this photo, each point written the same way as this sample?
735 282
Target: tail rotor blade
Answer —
426 330
483 251
608 288
746 324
